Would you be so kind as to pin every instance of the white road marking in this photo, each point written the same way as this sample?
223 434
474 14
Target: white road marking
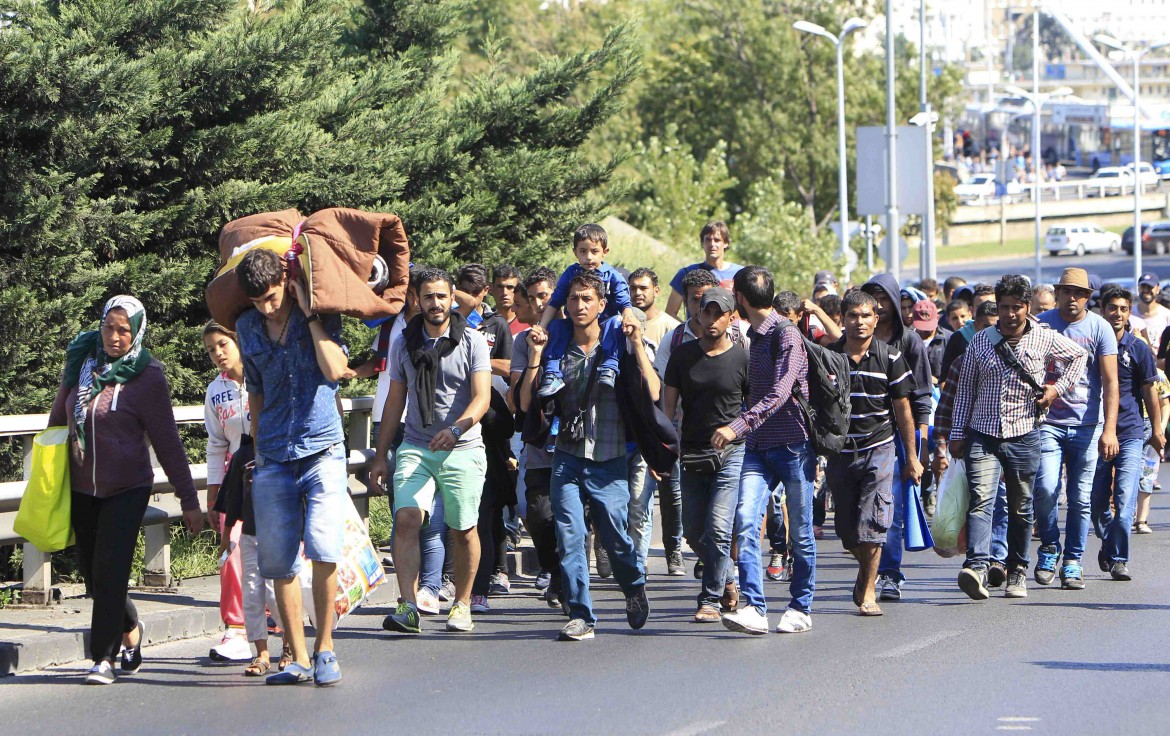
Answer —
695 729
915 646
1015 723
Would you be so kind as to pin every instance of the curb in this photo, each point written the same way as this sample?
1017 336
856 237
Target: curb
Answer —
53 648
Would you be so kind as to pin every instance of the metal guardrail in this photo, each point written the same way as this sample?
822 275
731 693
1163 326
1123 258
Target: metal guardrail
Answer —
164 507
1064 190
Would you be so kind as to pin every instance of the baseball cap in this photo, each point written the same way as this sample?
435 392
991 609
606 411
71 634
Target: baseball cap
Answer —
719 296
986 309
966 291
1149 278
924 315
824 276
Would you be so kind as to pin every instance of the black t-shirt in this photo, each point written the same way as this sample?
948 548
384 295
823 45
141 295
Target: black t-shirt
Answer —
498 334
712 389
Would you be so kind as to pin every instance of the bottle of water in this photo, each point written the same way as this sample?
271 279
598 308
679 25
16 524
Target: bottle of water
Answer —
1150 466
553 430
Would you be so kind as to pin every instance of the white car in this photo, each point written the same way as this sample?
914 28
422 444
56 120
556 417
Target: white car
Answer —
1080 238
1147 174
1109 180
980 186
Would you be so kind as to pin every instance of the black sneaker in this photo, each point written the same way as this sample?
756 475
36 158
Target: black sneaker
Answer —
552 596
973 582
1017 584
576 630
674 564
1103 561
1120 571
1046 559
637 608
996 574
601 557
132 656
699 570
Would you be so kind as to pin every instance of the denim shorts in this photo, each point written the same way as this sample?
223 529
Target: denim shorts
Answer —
300 500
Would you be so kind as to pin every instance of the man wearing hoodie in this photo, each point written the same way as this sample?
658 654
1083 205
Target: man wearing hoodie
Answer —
905 342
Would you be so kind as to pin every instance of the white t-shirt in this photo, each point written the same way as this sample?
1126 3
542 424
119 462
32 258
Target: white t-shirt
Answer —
383 388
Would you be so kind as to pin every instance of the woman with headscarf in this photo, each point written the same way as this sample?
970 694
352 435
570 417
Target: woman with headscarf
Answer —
114 397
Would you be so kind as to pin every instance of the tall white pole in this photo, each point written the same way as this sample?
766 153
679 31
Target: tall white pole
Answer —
842 174
1137 157
1036 188
926 260
891 146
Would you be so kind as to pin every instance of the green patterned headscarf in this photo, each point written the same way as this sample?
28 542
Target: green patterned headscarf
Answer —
89 368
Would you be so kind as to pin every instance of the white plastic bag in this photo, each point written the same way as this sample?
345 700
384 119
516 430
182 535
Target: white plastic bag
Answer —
949 525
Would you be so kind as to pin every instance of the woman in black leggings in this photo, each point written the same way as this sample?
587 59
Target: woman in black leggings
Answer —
114 397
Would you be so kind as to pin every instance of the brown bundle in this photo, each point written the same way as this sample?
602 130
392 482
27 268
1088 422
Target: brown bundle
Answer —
339 249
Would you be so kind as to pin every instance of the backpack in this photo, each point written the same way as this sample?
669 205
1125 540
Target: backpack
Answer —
827 406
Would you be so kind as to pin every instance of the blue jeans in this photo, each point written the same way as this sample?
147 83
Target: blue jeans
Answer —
708 506
640 510
431 538
890 564
999 525
764 471
1117 481
560 332
603 486
990 460
1076 449
670 506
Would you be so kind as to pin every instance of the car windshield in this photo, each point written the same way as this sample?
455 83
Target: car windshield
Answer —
1108 174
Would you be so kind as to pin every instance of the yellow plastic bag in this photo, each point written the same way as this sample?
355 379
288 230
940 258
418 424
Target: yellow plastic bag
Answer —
44 515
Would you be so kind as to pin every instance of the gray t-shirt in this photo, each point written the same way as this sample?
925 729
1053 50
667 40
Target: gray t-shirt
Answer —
452 388
536 458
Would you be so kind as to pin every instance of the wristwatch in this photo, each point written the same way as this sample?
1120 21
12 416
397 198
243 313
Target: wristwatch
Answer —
454 430
314 317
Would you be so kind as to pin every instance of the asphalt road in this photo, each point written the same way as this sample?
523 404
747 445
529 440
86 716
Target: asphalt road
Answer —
1058 662
1107 266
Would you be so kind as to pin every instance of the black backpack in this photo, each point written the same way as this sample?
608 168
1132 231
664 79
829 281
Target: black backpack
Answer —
827 405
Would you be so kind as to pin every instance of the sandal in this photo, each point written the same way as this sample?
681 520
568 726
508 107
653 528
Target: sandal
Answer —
257 667
857 593
286 657
870 609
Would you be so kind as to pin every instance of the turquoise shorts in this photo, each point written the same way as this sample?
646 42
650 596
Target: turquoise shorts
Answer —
457 474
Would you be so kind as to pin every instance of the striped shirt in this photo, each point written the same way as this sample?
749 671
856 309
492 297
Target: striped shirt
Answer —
992 399
879 377
773 417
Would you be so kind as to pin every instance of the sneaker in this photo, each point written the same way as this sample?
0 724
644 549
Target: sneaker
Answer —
543 579
1104 561
786 571
1046 564
601 558
294 674
132 656
996 574
426 602
326 671
1017 585
818 532
775 569
607 377
1071 576
1142 528
404 620
674 564
460 618
101 673
637 608
233 646
973 582
889 589
550 385
447 590
747 620
1120 571
699 570
552 597
576 630
479 604
387 561
794 622
500 584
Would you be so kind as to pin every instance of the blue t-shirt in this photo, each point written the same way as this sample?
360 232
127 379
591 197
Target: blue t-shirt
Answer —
299 417
1135 371
724 275
617 291
1082 404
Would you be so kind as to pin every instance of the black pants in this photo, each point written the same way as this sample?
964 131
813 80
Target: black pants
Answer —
539 521
107 531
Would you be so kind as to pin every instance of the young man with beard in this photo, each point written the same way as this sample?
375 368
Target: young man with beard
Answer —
1081 426
1006 385
716 241
1115 483
444 367
644 293
505 285
861 476
1149 310
589 464
710 375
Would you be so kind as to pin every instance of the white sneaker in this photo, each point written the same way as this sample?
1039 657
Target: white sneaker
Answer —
426 601
233 647
794 622
101 673
747 620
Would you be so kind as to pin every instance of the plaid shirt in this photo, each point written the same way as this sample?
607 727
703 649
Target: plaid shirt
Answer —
605 435
946 399
773 417
991 398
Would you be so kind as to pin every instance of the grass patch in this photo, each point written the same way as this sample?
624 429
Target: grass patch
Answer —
381 520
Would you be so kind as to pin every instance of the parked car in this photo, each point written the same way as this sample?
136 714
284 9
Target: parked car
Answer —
980 186
1081 238
1147 175
1155 238
1109 180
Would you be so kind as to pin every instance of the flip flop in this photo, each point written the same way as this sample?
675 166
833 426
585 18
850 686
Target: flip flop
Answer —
257 668
870 609
857 596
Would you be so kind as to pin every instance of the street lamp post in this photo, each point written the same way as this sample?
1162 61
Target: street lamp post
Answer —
851 25
1134 54
926 261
